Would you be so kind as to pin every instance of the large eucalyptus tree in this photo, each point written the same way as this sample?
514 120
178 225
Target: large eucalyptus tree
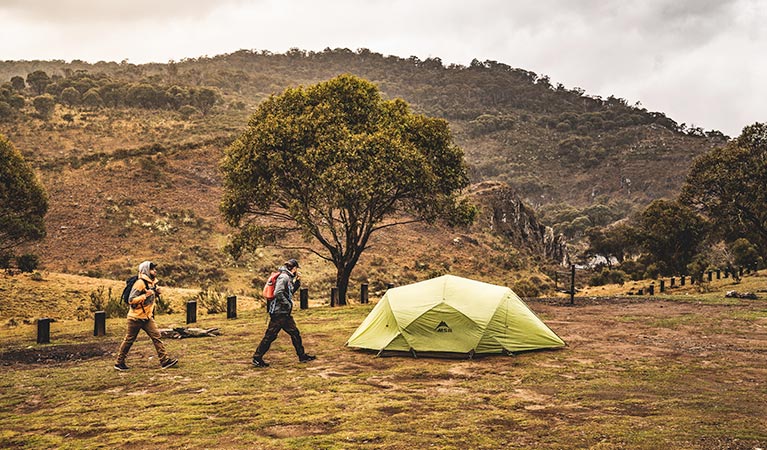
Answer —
336 162
23 202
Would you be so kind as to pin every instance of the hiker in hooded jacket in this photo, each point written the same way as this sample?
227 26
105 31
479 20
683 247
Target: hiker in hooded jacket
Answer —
142 301
280 318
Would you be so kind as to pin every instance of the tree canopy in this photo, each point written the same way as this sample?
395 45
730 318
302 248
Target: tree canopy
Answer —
23 202
671 233
729 185
337 162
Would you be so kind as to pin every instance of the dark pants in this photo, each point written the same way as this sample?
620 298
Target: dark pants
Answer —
150 327
279 322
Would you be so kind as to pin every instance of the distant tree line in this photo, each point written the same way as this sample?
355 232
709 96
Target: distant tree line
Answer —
451 91
81 89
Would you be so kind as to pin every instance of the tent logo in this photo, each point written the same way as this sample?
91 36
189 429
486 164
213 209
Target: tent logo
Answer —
443 328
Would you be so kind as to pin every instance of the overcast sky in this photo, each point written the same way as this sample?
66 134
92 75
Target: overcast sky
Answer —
701 62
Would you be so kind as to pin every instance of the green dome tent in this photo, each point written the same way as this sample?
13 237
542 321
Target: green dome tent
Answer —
452 315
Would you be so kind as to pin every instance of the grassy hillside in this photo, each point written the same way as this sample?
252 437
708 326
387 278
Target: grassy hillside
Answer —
135 177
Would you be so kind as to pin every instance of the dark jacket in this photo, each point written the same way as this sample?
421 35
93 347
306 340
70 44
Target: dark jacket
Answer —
284 287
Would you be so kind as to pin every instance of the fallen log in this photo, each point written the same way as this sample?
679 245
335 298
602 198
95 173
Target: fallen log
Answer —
736 294
184 332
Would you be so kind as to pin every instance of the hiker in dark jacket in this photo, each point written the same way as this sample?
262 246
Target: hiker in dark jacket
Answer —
280 309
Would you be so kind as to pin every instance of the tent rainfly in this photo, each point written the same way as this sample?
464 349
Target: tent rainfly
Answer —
451 315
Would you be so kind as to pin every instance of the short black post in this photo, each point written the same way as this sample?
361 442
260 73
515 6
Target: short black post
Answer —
640 292
651 290
726 273
43 331
740 272
231 307
334 296
304 298
718 274
710 275
572 284
191 311
364 293
681 280
662 286
389 285
673 280
100 323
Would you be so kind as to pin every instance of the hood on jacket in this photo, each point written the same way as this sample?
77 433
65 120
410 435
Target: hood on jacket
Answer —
145 267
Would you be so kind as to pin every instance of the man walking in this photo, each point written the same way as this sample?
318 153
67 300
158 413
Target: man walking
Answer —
280 309
141 316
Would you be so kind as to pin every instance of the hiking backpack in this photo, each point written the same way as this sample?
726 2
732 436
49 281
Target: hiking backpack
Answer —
128 287
269 286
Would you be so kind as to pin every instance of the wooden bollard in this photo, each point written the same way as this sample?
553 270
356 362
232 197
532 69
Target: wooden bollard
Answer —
710 275
100 323
651 290
43 331
681 280
672 282
662 286
334 296
304 298
231 307
718 274
363 293
572 284
191 311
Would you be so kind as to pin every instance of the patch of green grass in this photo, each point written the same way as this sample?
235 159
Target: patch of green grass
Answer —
584 396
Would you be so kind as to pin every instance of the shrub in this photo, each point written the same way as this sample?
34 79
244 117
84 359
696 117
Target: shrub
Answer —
213 301
607 276
634 269
188 111
163 305
653 270
27 262
744 253
698 266
5 260
112 305
526 288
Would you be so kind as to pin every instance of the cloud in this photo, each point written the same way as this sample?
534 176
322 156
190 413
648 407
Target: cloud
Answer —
699 61
96 12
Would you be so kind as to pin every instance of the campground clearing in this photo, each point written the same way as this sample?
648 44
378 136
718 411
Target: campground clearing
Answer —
637 373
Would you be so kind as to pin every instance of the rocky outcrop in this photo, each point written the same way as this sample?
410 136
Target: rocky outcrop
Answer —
503 212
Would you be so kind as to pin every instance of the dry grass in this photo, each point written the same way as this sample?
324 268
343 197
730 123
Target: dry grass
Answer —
637 373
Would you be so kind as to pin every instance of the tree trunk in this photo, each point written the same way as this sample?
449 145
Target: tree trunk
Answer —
342 283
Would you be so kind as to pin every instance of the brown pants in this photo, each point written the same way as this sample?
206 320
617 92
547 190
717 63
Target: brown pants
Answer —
279 322
150 327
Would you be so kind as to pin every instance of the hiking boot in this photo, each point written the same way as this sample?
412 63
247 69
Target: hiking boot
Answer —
306 358
259 362
169 363
121 367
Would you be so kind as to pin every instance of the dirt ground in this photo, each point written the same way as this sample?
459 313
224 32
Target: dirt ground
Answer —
667 366
587 326
657 328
